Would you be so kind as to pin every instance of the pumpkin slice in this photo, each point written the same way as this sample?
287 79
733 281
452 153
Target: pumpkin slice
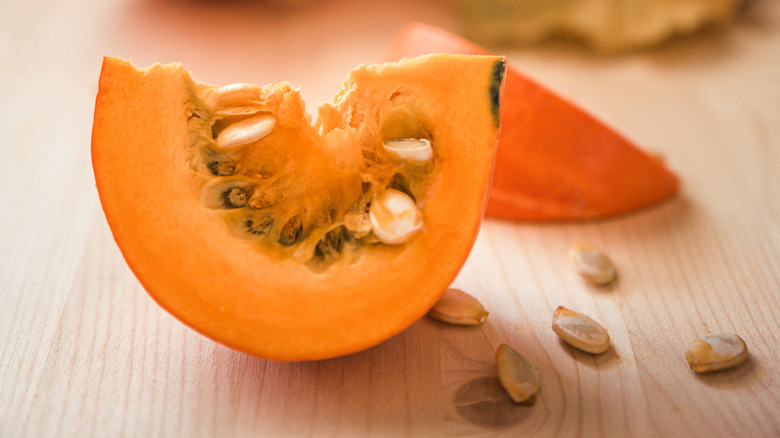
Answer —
290 240
555 161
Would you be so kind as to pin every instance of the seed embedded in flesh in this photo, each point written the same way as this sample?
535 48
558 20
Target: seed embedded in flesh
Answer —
291 231
260 201
458 307
258 225
227 193
592 264
331 244
716 352
410 149
394 217
221 168
517 375
233 95
235 197
246 131
358 223
580 331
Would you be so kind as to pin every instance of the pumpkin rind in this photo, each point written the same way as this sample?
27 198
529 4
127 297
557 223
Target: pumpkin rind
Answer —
265 302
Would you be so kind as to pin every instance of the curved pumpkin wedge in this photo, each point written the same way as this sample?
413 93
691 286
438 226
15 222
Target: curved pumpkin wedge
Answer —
290 240
555 162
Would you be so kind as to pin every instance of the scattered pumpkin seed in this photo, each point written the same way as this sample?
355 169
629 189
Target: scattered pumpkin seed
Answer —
394 217
410 149
592 264
246 131
580 331
517 375
458 307
715 352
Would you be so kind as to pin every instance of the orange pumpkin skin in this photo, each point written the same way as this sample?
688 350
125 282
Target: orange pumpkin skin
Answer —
257 298
555 161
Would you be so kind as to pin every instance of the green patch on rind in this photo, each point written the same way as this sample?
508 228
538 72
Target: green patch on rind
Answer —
497 78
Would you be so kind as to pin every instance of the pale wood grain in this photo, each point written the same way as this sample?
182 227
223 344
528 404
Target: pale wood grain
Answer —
84 352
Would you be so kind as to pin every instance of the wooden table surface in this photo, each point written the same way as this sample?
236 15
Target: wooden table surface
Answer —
84 352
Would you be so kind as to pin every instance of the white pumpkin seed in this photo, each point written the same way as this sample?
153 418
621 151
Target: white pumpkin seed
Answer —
394 217
233 95
410 149
580 331
517 375
246 131
715 352
458 307
592 264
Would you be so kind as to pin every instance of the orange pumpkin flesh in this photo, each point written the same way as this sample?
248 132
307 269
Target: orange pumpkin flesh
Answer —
152 142
555 162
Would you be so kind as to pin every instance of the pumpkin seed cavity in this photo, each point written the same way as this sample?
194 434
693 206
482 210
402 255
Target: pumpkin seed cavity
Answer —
233 128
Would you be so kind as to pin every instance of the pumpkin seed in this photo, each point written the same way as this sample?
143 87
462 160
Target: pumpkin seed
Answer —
580 331
592 264
235 197
330 246
233 95
458 307
715 352
227 193
221 168
394 217
260 200
246 131
358 224
291 231
410 149
258 225
517 375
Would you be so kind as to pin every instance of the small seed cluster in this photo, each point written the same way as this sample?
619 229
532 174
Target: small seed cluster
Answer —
230 124
520 377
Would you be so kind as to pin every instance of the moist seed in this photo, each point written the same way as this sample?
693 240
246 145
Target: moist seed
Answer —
235 197
246 131
258 225
394 217
291 231
410 149
331 244
221 168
